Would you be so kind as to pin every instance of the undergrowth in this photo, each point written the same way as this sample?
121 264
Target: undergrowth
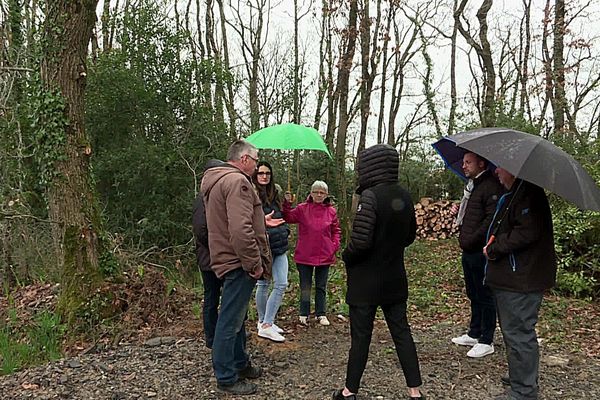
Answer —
30 344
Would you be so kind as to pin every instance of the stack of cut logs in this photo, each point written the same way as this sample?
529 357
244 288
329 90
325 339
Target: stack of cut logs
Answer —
434 219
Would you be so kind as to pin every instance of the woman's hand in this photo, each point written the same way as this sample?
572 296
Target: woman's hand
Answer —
273 222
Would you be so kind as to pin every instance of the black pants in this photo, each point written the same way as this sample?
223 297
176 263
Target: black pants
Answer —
483 309
361 330
210 308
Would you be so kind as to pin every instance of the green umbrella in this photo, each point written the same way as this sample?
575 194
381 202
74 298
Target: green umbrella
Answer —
288 137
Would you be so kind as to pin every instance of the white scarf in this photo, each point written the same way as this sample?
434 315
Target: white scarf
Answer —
464 201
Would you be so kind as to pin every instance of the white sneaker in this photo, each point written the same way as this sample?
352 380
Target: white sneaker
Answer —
465 340
323 320
480 350
277 329
269 333
303 320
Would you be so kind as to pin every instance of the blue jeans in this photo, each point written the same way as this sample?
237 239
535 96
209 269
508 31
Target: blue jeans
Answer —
267 307
483 309
229 346
210 307
321 274
518 315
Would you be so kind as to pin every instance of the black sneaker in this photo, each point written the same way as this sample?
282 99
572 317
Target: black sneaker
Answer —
239 388
337 395
250 372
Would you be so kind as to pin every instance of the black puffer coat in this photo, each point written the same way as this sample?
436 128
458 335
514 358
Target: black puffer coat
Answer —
383 226
480 210
278 235
522 257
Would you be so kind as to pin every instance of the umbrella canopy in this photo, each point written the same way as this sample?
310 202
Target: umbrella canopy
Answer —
453 156
288 137
530 158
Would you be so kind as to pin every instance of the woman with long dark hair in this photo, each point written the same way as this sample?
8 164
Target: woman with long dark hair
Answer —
267 305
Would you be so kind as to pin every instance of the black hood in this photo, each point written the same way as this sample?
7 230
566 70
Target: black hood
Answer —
377 164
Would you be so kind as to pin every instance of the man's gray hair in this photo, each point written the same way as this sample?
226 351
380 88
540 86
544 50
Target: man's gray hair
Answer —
239 148
319 185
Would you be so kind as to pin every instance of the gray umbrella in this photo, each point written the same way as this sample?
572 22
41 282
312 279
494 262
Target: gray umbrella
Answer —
535 160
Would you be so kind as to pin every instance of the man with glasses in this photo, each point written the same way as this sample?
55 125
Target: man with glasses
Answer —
240 254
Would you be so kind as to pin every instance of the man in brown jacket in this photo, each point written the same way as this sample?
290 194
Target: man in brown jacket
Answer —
240 254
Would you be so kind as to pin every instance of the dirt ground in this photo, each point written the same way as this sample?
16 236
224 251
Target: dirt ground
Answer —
159 353
309 365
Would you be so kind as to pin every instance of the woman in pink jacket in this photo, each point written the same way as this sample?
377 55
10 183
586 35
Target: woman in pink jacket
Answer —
318 240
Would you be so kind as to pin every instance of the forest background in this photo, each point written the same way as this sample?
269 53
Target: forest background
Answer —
109 111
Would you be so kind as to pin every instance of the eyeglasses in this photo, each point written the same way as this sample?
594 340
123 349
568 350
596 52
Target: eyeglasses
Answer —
319 193
255 159
263 173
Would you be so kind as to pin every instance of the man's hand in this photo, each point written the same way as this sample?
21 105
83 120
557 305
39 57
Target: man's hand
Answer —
273 222
454 209
257 273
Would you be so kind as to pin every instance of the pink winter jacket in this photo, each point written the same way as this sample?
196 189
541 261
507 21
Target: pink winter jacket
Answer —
319 232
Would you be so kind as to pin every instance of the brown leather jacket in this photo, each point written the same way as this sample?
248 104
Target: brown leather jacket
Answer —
237 235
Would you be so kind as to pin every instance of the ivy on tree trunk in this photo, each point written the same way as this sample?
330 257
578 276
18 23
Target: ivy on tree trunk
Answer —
71 196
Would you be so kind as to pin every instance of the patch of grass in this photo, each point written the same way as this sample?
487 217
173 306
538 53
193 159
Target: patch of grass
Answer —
197 310
27 345
436 285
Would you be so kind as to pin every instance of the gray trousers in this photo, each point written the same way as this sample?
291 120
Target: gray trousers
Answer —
518 315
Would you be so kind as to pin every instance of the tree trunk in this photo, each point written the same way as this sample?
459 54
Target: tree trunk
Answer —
384 65
229 102
489 101
559 105
453 100
332 92
484 52
72 201
547 62
365 93
296 99
106 26
524 97
322 82
342 86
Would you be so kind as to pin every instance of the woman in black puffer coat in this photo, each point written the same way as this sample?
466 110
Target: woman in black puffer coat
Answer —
383 226
268 304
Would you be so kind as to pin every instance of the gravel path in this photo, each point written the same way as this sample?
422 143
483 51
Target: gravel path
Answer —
309 365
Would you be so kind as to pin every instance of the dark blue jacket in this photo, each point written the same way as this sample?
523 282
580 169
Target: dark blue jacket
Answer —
278 236
522 257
